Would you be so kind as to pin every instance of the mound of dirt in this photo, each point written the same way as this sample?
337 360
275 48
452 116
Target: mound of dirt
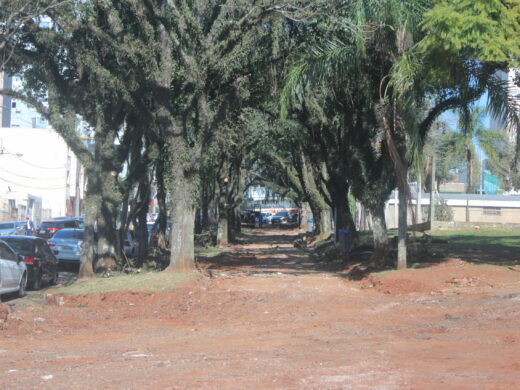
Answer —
434 278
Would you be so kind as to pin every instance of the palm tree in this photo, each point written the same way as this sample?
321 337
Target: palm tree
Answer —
382 52
472 130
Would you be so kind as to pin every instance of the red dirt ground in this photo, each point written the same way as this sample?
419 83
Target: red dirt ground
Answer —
274 317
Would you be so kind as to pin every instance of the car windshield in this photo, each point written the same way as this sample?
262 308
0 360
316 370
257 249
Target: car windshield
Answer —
6 226
69 234
282 213
20 245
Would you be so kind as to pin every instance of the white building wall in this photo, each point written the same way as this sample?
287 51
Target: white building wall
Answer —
37 162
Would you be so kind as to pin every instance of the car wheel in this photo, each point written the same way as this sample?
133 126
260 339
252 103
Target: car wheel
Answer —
37 283
23 286
54 279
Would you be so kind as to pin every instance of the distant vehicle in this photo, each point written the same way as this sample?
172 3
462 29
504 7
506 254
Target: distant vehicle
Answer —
130 243
67 245
12 228
266 217
153 230
281 217
13 271
48 228
284 218
39 260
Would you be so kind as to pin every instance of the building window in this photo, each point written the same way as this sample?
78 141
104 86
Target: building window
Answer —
13 105
492 211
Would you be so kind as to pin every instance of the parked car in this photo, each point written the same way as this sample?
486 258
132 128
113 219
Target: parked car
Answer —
48 228
41 263
281 217
13 271
284 218
130 243
267 218
153 230
12 228
67 245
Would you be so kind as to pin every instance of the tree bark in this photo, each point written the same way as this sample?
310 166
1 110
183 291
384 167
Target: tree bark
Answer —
381 247
323 220
223 229
402 238
182 257
92 209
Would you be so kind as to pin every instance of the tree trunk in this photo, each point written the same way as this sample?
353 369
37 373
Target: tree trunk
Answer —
223 229
419 199
106 244
469 180
381 247
324 221
163 210
92 209
142 231
343 217
402 238
182 257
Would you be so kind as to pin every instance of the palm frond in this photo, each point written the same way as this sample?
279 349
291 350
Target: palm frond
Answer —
504 106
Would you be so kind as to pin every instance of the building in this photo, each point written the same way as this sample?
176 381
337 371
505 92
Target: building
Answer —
466 208
23 115
15 113
39 175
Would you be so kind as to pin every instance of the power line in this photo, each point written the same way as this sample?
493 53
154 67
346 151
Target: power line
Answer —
27 162
34 177
32 186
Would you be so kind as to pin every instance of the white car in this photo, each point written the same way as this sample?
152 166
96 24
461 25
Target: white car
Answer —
13 272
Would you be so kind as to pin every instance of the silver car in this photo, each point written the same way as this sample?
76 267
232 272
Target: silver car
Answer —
13 272
12 228
67 245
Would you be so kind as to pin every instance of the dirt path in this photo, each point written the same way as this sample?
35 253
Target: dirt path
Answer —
272 317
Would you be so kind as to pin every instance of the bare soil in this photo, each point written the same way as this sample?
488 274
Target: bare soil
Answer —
269 316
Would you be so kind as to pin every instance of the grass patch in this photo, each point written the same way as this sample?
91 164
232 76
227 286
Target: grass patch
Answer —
210 251
494 240
386 271
148 281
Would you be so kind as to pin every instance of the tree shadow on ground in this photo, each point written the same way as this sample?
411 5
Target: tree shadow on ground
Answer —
261 236
268 253
266 261
497 250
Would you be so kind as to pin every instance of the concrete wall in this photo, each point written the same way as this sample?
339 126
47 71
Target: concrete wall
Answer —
37 163
476 215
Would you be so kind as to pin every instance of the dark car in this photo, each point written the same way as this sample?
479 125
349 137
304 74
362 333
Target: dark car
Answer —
284 218
40 261
48 228
281 217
